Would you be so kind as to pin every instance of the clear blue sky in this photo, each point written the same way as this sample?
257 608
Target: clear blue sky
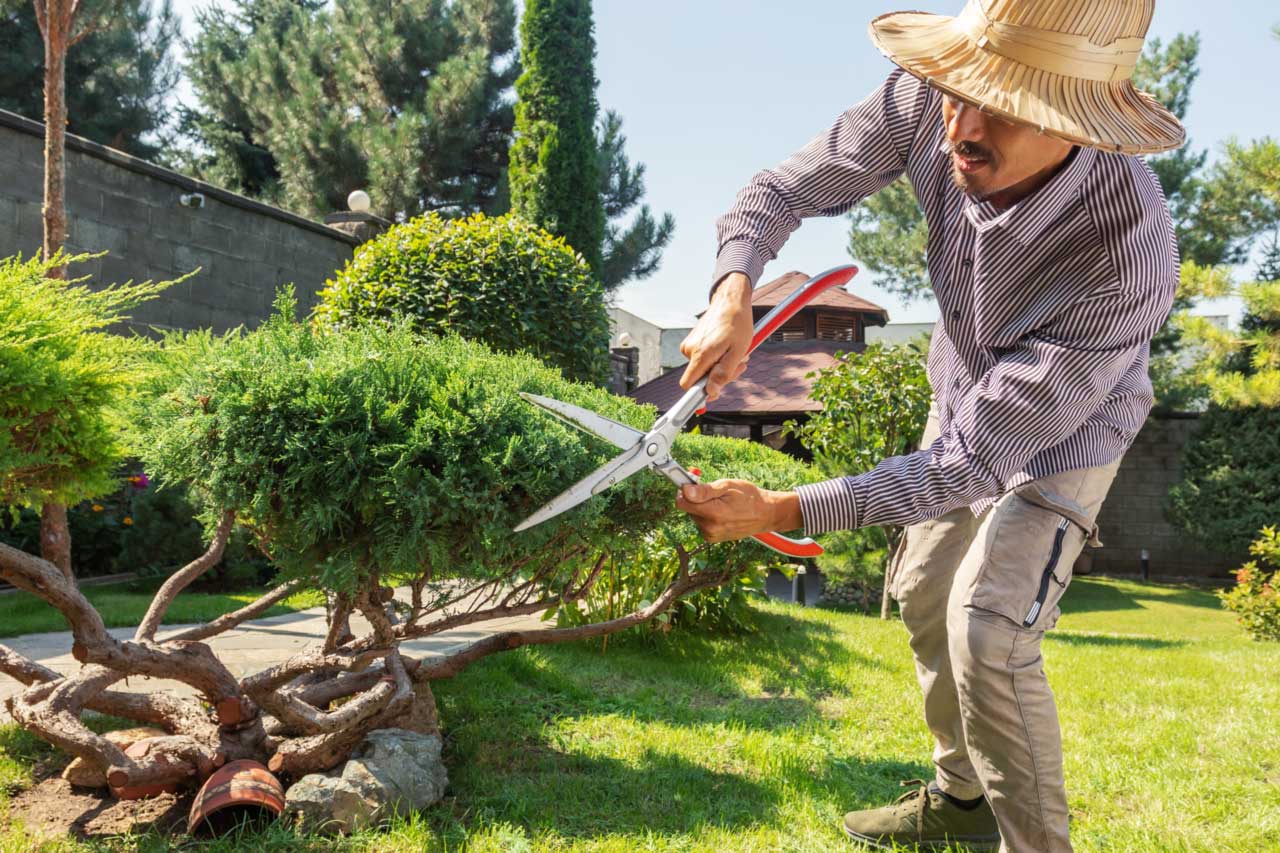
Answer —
713 90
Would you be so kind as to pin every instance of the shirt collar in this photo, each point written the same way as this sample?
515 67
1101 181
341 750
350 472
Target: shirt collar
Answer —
1026 220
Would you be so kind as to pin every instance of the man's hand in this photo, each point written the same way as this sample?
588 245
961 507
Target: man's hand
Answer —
734 509
719 342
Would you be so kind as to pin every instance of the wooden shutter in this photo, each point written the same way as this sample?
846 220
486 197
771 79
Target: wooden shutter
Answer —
833 327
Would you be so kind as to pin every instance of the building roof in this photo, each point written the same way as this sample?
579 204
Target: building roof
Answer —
774 382
769 295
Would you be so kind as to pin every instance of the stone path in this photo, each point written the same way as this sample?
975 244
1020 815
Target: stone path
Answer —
246 649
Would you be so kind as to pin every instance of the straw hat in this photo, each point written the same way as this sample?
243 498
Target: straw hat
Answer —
1062 66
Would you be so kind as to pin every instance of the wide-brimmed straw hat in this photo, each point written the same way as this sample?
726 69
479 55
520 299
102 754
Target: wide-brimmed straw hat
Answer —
1062 66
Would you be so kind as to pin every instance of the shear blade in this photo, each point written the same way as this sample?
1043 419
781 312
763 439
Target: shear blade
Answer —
620 435
612 472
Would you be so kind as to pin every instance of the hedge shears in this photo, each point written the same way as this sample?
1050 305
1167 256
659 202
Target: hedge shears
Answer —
652 449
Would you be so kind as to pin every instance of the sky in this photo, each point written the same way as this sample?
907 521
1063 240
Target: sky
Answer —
712 91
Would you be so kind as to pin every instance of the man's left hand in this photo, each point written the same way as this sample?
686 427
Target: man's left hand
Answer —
735 509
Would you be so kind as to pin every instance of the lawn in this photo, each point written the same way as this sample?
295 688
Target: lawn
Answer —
124 604
760 743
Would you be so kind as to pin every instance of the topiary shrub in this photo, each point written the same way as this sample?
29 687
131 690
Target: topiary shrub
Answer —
497 280
1255 599
363 459
1230 484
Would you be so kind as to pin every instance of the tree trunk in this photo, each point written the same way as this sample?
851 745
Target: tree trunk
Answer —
55 17
55 538
56 31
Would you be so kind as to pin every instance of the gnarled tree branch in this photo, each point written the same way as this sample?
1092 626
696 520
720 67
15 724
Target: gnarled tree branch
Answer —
180 579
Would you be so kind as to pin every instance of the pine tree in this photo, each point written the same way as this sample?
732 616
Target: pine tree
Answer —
555 170
118 75
634 250
302 101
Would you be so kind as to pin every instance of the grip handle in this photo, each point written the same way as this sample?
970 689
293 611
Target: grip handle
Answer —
790 547
789 307
800 297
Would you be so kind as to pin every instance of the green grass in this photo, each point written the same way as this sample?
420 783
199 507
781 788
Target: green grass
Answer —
760 743
123 605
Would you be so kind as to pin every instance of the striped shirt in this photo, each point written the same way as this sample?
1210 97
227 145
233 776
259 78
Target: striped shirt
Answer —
1039 361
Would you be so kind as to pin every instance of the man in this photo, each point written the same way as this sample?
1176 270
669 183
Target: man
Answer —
1052 257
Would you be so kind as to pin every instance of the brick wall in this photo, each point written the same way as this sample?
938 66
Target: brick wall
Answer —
130 208
1133 516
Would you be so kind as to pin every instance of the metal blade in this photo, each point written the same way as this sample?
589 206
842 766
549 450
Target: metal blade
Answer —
619 435
614 471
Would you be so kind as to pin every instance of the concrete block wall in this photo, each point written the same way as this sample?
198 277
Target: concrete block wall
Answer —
1133 516
130 208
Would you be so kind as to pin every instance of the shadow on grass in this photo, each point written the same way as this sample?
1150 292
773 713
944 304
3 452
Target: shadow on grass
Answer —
1108 641
510 761
1088 595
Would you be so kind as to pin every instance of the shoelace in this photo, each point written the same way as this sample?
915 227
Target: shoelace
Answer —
921 794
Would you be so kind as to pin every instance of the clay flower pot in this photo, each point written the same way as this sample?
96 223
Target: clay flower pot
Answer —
239 791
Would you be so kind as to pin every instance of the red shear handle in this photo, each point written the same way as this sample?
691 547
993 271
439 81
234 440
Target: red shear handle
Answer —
787 308
802 296
790 547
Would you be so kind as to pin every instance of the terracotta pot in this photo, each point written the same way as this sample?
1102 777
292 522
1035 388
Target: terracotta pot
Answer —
241 790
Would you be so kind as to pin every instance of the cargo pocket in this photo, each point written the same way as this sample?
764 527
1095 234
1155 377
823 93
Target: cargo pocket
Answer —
1032 543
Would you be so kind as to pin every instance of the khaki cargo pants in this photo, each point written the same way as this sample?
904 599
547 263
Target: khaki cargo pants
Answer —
977 595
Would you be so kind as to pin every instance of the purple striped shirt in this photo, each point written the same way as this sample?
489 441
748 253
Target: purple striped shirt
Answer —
1039 361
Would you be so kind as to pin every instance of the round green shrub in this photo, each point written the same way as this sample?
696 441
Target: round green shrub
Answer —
497 280
375 451
1230 484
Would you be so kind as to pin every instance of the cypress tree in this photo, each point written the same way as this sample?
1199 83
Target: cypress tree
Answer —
554 175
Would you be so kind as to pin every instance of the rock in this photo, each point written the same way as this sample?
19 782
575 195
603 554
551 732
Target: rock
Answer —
392 771
89 774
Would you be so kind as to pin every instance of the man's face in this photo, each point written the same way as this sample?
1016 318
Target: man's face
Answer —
997 160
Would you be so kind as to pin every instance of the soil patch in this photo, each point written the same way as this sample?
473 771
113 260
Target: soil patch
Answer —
54 807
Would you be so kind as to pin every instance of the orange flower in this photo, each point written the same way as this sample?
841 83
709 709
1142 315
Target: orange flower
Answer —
127 521
97 507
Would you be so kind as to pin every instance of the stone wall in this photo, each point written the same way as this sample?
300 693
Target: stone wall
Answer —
1132 519
131 209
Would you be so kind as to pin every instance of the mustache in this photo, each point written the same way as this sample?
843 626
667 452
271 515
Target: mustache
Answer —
970 150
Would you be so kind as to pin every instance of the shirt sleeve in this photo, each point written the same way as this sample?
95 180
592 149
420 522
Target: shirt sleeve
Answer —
864 151
1033 398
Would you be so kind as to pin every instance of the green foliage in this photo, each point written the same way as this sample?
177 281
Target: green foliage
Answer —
637 572
1255 599
554 173
372 451
63 380
855 560
889 237
874 405
118 76
1234 368
501 281
631 250
1231 478
424 122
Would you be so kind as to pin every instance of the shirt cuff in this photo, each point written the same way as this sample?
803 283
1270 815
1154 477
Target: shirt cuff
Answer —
828 506
738 256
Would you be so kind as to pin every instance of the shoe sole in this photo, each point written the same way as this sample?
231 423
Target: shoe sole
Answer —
978 842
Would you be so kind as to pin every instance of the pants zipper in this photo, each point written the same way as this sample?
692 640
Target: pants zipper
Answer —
1034 613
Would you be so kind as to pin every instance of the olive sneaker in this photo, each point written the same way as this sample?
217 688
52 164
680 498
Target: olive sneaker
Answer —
925 818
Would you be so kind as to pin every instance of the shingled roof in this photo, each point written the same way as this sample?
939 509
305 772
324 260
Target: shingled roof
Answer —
774 382
769 295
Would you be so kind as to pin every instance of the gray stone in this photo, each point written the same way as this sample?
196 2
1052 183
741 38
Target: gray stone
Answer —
393 771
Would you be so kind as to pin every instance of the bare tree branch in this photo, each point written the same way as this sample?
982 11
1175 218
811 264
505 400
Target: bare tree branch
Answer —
230 620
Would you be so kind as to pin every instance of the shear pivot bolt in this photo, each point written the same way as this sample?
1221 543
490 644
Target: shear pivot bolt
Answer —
652 449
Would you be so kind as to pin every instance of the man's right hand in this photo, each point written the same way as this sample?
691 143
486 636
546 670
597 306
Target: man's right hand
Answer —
717 346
